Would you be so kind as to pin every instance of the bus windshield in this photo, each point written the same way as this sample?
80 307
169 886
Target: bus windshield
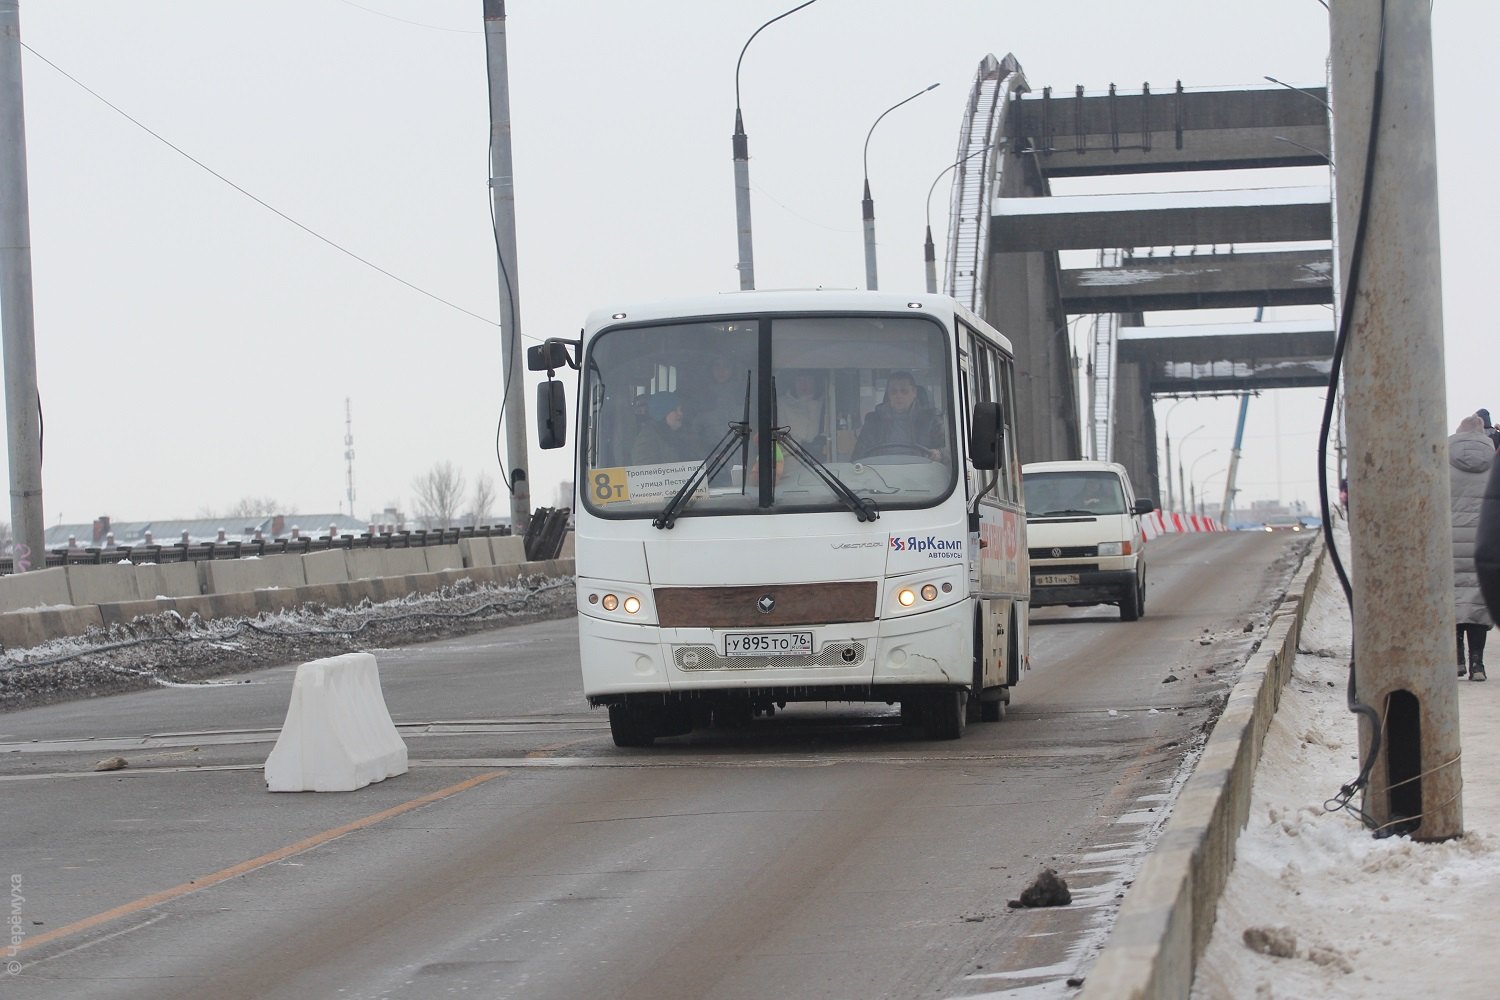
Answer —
868 397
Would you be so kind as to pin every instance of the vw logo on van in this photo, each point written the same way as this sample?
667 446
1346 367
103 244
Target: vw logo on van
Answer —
766 604
1056 553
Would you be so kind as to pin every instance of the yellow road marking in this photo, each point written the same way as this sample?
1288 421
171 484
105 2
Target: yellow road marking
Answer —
306 844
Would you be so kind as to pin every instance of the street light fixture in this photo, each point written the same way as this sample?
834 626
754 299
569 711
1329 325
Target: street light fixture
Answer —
742 165
1167 428
929 252
868 205
1181 479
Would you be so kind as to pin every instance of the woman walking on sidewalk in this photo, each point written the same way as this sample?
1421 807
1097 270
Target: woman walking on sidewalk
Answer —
1470 455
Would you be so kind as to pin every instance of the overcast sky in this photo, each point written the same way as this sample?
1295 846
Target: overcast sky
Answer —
194 348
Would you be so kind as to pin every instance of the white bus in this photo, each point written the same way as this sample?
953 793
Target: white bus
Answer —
808 496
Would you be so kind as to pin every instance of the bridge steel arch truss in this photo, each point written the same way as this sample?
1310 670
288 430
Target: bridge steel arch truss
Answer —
1248 248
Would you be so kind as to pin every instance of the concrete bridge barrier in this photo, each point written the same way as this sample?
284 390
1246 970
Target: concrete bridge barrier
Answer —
234 576
1168 914
338 734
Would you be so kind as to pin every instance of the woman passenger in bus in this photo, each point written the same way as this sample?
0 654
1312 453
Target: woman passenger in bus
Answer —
901 425
662 438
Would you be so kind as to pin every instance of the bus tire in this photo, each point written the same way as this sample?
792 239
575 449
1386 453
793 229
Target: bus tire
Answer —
946 714
631 727
992 711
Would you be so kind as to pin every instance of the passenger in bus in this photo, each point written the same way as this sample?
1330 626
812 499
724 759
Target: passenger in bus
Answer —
718 402
662 438
903 424
803 410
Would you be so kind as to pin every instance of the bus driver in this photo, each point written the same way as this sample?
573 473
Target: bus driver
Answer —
902 424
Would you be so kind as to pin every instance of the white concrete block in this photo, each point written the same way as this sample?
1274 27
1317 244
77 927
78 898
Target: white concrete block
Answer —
338 734
328 566
168 580
476 552
509 550
441 557
39 588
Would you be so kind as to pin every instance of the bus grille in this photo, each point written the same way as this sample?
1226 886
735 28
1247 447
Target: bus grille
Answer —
833 654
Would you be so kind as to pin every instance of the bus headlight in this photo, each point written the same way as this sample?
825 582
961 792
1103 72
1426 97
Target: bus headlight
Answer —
632 605
906 597
929 592
610 602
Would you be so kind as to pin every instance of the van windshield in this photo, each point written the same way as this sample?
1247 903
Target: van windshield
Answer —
1059 494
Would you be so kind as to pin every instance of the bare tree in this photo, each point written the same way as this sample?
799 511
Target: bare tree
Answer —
252 507
484 498
439 492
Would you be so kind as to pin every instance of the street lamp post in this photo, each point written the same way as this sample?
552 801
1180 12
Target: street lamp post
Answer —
1203 489
929 252
742 165
1181 479
868 205
1193 482
1167 428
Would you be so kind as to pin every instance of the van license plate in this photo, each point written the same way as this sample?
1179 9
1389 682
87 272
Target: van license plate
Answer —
768 644
1057 580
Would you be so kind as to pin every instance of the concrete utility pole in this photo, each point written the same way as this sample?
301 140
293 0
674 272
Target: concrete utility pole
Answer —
22 408
503 192
1399 522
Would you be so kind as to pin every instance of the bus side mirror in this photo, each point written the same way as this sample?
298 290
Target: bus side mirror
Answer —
987 436
548 357
551 414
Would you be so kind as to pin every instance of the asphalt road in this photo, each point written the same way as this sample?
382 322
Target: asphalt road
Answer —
827 852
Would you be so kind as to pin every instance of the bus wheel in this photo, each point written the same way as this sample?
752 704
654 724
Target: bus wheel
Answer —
946 713
992 711
911 712
631 727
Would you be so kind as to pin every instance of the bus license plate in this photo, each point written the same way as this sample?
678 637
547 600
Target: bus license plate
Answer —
768 644
1057 580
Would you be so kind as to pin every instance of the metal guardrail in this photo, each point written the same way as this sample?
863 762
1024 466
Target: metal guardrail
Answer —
545 533
245 548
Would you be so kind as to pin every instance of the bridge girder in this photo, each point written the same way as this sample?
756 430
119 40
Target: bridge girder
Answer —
1203 281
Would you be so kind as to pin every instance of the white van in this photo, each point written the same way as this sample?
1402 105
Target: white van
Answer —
1083 533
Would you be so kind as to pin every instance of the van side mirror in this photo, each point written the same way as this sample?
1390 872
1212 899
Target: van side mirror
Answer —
1144 506
551 414
987 436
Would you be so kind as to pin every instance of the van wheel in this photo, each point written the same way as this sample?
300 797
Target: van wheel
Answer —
631 727
946 713
1132 603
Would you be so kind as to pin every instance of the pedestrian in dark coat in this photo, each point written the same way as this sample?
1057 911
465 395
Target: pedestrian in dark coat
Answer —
1489 428
1487 544
1471 456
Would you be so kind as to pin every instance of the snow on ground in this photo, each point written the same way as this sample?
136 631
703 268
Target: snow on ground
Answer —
1359 917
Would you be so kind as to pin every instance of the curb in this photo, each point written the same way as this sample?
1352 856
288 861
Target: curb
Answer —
1168 914
25 629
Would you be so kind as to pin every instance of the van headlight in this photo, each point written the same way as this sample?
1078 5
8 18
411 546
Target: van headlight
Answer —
1114 548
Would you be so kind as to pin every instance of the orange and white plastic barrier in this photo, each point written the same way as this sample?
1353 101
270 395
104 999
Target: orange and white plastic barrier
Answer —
1160 522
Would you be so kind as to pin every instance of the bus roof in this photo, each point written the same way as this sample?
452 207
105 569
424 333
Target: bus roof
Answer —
786 301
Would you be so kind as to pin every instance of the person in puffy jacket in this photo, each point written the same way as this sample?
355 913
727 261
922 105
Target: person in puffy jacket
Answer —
1471 457
902 424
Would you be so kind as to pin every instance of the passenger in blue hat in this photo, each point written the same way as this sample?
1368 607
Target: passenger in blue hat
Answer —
663 437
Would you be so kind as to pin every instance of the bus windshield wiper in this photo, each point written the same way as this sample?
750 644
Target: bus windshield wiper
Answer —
864 508
739 433
706 470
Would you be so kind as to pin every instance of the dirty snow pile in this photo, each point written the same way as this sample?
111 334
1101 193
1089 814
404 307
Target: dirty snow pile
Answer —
1315 906
168 648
